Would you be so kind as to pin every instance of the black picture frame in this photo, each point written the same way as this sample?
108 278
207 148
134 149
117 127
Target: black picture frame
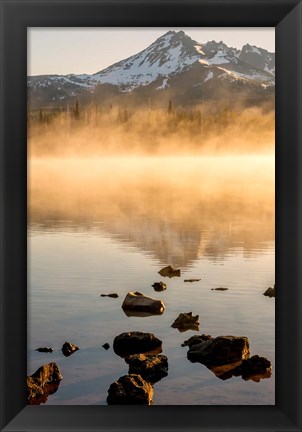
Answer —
16 16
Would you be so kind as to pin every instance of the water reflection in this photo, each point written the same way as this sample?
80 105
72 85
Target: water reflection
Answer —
178 210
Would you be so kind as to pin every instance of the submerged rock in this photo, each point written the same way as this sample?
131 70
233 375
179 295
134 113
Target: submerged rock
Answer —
42 383
113 295
45 350
106 346
186 321
192 280
270 292
68 349
139 302
219 289
130 390
169 272
159 286
150 367
221 350
136 342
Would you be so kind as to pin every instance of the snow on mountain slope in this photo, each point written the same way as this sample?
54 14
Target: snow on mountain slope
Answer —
173 54
258 58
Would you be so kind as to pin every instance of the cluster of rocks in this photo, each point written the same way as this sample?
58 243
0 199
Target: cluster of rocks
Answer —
67 349
46 380
225 356
146 367
228 356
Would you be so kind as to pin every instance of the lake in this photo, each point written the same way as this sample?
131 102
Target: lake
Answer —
108 225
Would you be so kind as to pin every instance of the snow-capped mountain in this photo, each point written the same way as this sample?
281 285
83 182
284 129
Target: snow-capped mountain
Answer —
173 63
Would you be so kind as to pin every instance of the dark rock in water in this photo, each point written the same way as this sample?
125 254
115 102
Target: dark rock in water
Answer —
150 367
42 383
192 280
270 292
106 346
193 340
186 321
255 368
114 295
221 350
219 289
169 272
45 350
159 286
130 390
68 349
141 303
136 342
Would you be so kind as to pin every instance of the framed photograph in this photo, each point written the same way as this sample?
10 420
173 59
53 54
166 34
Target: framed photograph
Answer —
151 208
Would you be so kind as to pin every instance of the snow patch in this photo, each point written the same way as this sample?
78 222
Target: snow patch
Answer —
205 62
209 76
164 84
219 58
199 49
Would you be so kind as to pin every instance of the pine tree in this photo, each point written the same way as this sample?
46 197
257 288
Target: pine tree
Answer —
77 110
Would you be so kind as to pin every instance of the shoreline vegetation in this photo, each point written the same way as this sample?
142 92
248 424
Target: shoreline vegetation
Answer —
209 128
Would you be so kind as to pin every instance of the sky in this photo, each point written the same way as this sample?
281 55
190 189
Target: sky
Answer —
88 50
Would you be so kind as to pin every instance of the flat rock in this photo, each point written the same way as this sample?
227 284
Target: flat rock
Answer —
169 272
113 295
139 302
219 289
45 350
221 350
42 383
159 286
270 292
130 390
151 368
186 321
68 349
136 342
192 280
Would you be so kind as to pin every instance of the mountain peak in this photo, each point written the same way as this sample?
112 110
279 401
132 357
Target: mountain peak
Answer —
172 61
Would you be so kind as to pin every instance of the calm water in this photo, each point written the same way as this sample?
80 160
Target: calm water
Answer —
109 225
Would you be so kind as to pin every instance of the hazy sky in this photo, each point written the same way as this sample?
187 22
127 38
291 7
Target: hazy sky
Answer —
89 50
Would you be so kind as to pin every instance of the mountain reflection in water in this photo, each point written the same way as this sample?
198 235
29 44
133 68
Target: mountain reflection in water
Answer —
109 225
177 209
